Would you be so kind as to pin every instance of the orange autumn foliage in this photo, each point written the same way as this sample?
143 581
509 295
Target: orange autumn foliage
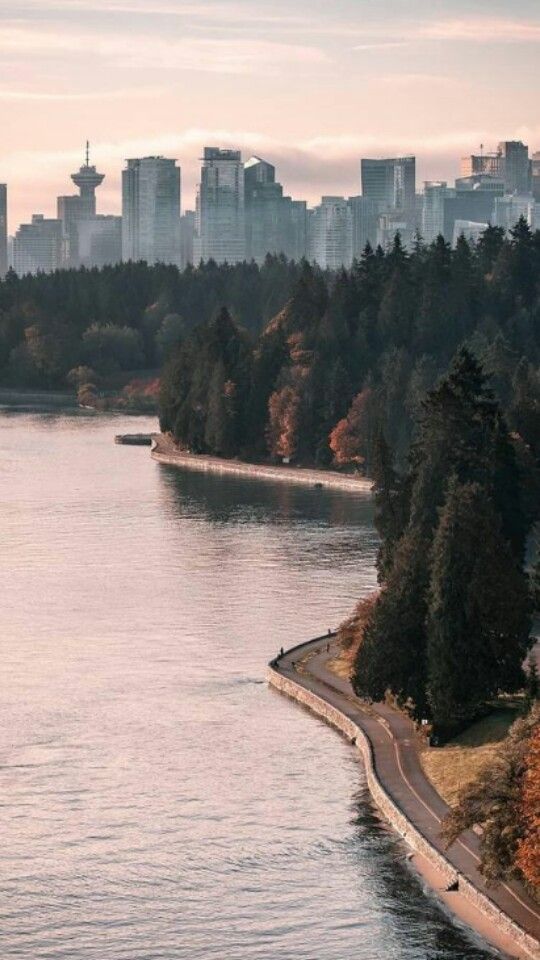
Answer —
528 853
282 432
347 440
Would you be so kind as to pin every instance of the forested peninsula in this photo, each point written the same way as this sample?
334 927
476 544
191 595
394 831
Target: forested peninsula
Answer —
351 356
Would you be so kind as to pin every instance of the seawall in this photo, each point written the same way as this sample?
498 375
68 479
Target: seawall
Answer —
165 451
527 944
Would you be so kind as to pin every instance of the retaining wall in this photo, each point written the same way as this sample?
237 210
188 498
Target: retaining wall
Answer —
164 451
391 811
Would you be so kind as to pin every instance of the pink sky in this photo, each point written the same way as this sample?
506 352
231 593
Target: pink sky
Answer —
311 86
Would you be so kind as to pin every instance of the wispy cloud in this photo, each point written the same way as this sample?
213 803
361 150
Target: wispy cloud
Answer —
480 30
483 30
224 12
60 96
182 53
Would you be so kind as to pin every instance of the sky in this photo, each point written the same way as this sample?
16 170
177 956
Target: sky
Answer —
311 85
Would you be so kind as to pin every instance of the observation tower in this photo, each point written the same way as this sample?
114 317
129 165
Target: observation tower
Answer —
87 179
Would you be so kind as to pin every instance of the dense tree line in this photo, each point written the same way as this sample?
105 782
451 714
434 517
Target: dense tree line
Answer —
451 627
352 354
130 316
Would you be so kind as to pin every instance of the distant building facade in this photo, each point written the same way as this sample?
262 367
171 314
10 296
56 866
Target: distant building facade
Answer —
517 166
391 183
187 237
510 164
331 233
99 241
3 231
37 246
220 230
364 224
151 196
435 193
535 176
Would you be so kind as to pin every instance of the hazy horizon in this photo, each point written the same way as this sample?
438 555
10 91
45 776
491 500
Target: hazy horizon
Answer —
311 90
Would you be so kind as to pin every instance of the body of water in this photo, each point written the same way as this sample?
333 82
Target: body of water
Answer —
158 801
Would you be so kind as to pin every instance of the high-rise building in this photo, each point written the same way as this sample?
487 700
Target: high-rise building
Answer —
469 229
151 210
330 228
71 210
510 208
510 163
187 236
391 183
391 223
3 231
476 205
264 210
364 220
517 166
99 241
220 229
490 164
435 193
297 229
275 224
535 175
37 246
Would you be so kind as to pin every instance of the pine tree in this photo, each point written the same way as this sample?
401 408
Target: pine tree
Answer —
478 616
391 503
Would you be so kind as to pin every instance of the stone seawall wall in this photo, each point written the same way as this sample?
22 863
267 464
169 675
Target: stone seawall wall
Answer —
394 815
165 452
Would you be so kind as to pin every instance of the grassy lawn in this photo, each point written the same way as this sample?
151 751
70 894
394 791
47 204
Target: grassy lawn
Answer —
452 767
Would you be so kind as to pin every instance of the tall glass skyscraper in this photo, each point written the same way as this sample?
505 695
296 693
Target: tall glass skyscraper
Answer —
3 230
220 229
391 183
151 210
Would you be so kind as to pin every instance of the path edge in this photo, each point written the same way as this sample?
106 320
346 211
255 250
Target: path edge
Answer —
391 812
164 451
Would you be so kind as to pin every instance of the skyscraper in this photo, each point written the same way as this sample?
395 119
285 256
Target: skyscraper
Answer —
390 183
517 166
330 228
510 163
364 217
435 192
220 215
151 210
3 230
99 241
490 164
37 246
535 171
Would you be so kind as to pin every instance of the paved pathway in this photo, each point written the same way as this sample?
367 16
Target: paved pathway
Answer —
398 768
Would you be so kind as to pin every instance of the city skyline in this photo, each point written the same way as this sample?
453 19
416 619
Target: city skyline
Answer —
313 90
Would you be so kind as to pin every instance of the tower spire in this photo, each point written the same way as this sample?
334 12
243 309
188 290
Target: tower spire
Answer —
87 153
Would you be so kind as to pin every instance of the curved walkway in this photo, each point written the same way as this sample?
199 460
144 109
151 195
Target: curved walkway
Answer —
397 768
164 450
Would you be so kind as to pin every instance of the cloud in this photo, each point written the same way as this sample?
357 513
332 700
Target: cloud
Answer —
464 30
225 12
143 51
59 96
483 30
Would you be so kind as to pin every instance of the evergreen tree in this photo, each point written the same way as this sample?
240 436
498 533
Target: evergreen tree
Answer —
478 616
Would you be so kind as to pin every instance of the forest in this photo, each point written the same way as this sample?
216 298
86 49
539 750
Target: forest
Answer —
351 355
58 328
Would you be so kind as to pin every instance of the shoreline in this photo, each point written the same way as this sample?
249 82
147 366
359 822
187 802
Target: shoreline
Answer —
439 869
165 451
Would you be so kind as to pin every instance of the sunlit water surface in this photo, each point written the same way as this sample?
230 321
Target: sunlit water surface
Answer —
158 800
